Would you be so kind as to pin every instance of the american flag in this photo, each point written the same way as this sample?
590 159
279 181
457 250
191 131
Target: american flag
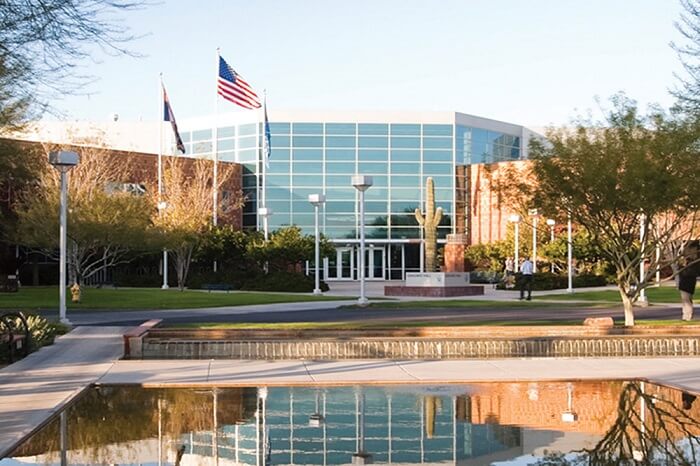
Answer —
232 87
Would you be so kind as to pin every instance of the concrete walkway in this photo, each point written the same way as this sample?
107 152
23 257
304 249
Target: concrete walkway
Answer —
682 373
35 388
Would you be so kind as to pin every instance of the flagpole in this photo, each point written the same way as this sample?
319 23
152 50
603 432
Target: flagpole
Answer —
215 148
263 157
161 118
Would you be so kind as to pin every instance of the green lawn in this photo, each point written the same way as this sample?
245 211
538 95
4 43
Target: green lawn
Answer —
35 298
480 303
664 294
412 324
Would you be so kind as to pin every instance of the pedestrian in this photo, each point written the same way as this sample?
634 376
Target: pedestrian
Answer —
510 266
686 281
526 270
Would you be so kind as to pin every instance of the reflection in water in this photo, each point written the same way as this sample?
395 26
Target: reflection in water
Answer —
502 423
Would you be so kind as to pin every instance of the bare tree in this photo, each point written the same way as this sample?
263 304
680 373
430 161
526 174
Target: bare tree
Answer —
106 219
688 93
188 207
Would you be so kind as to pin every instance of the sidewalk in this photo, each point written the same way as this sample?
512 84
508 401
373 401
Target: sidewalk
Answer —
38 386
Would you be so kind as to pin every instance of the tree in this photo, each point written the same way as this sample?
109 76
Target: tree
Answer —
105 220
187 196
688 94
614 177
287 249
42 43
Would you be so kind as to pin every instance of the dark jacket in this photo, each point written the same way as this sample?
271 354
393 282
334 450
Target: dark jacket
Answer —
687 278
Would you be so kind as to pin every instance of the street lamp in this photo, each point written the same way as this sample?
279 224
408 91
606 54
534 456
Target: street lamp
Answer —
535 215
515 219
265 213
551 222
162 205
317 200
63 161
362 183
569 256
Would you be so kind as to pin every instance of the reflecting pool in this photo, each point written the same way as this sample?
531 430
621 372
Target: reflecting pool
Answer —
543 423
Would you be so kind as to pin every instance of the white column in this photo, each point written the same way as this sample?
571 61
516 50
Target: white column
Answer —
642 245
569 257
62 246
534 244
317 253
363 298
517 247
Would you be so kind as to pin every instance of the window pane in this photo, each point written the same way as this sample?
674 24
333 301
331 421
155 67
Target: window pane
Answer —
340 128
339 180
307 128
405 129
437 143
279 207
437 130
373 129
226 132
342 194
278 193
340 167
279 128
248 129
374 206
336 220
405 206
405 168
380 181
340 141
279 167
279 141
430 169
201 147
437 156
227 156
373 155
247 143
405 143
279 154
371 168
406 181
201 135
307 154
250 155
405 155
340 206
226 144
373 141
277 180
308 141
302 168
404 195
341 155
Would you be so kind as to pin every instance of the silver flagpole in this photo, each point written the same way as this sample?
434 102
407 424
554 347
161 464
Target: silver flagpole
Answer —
264 165
161 204
215 148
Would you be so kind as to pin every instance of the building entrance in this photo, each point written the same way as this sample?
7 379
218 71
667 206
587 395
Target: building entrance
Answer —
345 264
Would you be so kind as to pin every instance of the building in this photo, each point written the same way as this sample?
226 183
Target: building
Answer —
318 152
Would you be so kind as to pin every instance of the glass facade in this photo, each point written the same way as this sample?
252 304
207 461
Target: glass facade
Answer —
320 157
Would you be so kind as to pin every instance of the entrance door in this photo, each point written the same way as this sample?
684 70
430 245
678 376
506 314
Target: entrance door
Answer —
342 267
374 262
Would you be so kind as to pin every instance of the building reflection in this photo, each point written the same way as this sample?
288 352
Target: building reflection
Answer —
465 425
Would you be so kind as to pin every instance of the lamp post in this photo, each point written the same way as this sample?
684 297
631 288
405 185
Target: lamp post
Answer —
162 205
535 215
569 256
317 200
551 222
63 162
362 183
265 213
515 219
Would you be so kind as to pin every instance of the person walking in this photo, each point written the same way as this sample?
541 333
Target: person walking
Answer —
687 278
526 270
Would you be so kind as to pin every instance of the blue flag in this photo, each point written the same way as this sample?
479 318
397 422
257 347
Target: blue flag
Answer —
267 146
168 115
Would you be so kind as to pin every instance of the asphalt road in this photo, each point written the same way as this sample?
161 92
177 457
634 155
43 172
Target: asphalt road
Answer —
326 314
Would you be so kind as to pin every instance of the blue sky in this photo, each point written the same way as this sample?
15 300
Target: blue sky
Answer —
535 62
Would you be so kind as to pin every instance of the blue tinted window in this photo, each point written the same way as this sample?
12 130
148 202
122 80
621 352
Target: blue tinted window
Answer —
279 207
441 182
437 130
279 141
226 132
248 129
339 180
404 233
334 220
373 129
406 182
340 141
405 129
404 194
437 156
279 154
307 141
405 143
315 181
249 181
247 143
340 128
225 144
304 168
340 206
371 168
227 156
201 135
279 128
341 155
375 155
405 168
277 180
185 136
479 135
340 232
278 167
373 141
307 128
405 155
430 169
339 193
302 193
277 193
437 143
340 167
307 154
250 155
376 193
376 233
443 195
379 181
374 206
405 206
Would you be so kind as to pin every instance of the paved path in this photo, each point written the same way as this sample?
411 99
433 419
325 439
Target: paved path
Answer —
682 373
35 388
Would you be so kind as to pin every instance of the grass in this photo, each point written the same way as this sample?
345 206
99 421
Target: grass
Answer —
664 294
412 324
481 304
38 298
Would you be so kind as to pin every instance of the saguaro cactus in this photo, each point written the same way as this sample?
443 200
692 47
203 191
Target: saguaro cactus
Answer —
429 222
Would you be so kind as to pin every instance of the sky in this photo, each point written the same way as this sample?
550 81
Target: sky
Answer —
529 62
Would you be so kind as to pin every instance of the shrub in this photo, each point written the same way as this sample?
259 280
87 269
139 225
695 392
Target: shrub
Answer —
549 281
293 282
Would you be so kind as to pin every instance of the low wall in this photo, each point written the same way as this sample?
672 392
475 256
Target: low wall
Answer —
428 343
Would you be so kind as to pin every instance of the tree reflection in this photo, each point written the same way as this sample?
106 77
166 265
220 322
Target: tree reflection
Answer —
654 426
